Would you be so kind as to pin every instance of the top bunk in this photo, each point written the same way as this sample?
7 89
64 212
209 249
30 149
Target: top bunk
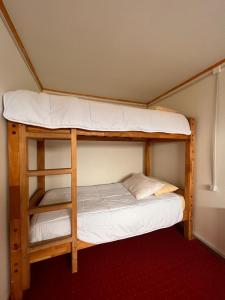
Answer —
51 116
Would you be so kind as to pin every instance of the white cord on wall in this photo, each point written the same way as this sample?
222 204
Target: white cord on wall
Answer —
214 186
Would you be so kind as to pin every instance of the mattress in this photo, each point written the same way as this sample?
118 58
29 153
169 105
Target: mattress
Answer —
106 213
51 111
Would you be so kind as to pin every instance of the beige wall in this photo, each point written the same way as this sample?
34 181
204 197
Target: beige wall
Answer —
13 75
198 101
98 162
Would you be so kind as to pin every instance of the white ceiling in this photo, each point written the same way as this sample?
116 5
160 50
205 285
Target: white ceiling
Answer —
125 49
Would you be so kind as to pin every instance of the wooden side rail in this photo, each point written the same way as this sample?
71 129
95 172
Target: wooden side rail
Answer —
49 243
85 134
52 207
48 136
48 172
53 250
189 177
44 133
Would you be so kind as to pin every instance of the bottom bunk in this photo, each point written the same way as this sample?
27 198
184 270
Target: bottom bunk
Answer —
106 213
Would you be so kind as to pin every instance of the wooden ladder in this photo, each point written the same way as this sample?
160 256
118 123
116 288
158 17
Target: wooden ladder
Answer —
22 207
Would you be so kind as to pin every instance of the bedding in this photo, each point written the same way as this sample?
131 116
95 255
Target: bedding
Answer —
106 213
166 188
142 186
51 111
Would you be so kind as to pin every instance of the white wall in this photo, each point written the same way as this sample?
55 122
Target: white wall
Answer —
198 101
13 75
98 162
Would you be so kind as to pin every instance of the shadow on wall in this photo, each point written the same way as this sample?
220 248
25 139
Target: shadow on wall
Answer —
169 162
205 217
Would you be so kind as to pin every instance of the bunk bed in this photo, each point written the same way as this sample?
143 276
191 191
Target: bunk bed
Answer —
23 126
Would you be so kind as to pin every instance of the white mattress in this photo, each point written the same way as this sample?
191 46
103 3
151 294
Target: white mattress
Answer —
51 111
106 213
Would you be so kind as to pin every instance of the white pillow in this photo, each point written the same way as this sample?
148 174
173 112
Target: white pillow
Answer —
142 186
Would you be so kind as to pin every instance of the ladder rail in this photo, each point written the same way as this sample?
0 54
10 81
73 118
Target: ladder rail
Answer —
74 198
19 173
47 172
50 207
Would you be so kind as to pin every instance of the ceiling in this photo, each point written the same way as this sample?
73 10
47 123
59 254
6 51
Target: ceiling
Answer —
125 49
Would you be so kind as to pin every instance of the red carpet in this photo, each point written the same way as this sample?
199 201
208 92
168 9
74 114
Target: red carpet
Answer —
159 265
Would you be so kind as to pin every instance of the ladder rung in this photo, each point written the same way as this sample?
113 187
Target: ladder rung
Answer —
51 207
48 135
50 243
47 172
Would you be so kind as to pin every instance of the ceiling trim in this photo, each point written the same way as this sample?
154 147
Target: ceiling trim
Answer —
7 20
96 98
187 81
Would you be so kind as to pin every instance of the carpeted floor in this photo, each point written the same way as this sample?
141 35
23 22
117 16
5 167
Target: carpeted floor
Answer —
158 265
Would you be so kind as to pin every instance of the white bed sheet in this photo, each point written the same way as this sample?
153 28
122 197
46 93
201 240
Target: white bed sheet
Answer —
106 213
51 111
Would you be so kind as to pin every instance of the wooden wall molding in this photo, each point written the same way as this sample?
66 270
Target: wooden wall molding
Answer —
186 82
96 98
11 28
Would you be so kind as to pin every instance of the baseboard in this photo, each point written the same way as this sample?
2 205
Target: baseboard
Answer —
208 244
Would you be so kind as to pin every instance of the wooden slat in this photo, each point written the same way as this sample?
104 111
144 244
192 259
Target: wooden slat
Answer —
47 172
74 198
48 135
24 206
51 207
14 212
110 139
130 139
147 159
49 243
189 173
50 252
131 134
36 129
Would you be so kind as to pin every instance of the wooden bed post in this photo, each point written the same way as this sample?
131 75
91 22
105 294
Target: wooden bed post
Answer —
189 171
15 212
41 164
147 159
24 206
74 198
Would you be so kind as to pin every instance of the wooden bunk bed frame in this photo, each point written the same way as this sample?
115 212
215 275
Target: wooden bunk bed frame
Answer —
22 253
